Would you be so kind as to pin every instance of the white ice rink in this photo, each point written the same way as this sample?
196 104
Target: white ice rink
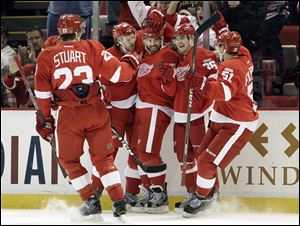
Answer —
62 217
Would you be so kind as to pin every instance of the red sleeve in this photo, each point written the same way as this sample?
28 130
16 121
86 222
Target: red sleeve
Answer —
111 68
225 87
171 19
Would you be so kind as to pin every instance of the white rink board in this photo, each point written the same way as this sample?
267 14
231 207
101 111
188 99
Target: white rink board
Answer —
250 168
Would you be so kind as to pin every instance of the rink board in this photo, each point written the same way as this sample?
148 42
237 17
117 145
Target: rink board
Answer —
265 173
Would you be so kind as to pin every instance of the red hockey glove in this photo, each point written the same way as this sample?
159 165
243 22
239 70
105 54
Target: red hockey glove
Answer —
45 132
156 19
167 73
194 81
131 58
221 26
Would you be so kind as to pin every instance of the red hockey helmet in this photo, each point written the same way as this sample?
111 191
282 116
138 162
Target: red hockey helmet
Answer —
68 24
184 29
149 33
232 41
122 29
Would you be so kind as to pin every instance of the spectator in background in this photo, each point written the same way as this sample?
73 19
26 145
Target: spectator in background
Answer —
35 39
7 53
140 10
81 8
277 14
14 82
293 17
247 18
190 6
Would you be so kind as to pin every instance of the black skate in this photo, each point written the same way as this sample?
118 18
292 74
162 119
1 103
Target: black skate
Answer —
200 204
119 207
139 205
180 205
131 200
158 201
91 205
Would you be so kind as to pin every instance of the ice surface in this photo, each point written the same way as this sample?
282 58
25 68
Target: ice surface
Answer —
62 216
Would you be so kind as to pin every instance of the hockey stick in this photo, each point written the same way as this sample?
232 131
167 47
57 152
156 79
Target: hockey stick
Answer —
147 169
209 22
39 113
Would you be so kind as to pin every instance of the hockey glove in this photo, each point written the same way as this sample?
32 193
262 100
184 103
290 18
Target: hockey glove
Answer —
131 58
155 19
167 73
195 81
45 132
221 26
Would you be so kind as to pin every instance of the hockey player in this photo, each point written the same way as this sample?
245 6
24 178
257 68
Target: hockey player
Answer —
122 101
153 115
70 72
206 65
232 121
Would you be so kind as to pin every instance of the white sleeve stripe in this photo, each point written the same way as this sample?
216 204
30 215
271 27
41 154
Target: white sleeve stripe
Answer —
227 92
115 78
42 95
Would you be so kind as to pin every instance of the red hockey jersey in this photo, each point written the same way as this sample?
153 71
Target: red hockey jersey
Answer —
233 92
66 64
149 78
205 65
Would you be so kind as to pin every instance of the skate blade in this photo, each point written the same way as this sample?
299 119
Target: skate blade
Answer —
75 216
121 219
137 209
161 209
205 212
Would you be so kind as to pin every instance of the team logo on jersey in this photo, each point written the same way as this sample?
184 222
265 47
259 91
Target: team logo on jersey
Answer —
180 72
144 69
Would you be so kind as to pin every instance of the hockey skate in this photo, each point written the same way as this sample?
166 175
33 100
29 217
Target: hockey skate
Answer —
158 200
139 205
200 204
91 205
119 208
180 205
90 210
131 200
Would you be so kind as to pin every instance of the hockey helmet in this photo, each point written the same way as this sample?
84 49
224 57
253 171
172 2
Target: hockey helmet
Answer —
68 24
231 40
184 29
122 29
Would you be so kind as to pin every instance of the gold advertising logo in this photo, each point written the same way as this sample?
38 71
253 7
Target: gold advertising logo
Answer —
257 140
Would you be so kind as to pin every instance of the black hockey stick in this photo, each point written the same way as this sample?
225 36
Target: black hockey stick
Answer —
208 23
147 169
39 113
